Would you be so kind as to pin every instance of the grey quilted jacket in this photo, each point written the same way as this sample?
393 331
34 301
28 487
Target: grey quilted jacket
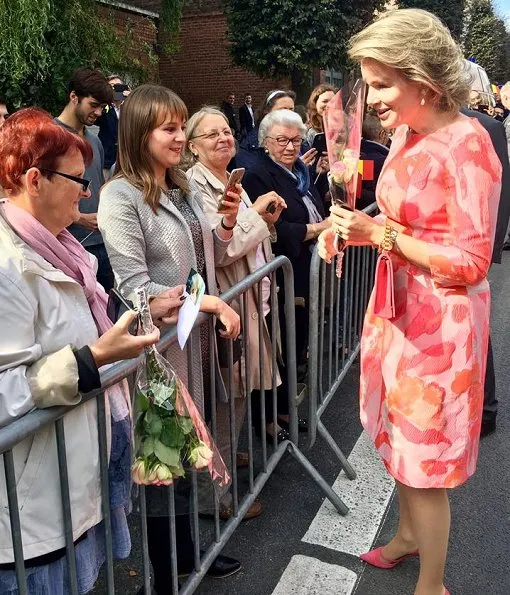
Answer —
156 250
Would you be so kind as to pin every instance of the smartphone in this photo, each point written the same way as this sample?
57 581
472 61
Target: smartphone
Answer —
236 175
319 143
117 305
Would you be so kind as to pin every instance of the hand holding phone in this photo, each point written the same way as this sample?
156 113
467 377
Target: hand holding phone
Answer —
319 143
235 177
117 306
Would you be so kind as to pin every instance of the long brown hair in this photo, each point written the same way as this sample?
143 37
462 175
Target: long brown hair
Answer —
314 119
145 109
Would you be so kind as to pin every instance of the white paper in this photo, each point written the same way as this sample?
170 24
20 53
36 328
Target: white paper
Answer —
190 308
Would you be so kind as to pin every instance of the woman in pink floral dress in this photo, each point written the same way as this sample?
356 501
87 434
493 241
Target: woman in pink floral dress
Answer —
423 365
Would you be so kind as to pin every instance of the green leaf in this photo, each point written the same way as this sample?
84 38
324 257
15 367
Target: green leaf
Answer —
163 394
142 404
172 434
186 424
148 446
155 425
169 456
178 471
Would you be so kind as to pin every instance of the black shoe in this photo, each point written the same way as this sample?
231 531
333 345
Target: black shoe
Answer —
488 427
302 424
282 435
222 567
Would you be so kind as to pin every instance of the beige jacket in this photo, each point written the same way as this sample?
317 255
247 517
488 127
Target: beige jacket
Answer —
239 262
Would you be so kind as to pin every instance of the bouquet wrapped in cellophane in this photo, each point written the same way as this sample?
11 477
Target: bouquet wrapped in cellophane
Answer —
343 122
170 434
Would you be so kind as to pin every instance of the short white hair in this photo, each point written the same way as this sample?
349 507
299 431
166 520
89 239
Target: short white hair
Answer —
280 117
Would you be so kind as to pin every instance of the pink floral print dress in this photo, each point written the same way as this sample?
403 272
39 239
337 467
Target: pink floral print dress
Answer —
422 373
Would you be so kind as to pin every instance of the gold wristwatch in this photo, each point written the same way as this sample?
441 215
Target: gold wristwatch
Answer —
389 238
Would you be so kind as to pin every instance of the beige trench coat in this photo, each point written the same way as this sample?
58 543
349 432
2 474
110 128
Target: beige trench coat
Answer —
238 262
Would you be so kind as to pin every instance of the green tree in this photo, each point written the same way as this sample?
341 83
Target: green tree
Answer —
451 12
42 43
275 38
485 39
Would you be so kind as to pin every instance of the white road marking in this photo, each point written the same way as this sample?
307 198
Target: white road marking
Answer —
308 576
367 497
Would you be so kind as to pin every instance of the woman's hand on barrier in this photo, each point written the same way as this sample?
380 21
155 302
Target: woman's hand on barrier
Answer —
326 245
355 227
165 307
309 157
118 343
230 320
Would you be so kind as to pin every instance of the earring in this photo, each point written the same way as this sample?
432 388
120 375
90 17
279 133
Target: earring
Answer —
422 102
195 155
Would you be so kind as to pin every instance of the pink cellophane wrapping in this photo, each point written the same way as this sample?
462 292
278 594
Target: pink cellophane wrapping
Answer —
185 406
343 122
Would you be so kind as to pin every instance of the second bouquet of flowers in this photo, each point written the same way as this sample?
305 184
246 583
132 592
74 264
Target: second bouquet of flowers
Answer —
170 434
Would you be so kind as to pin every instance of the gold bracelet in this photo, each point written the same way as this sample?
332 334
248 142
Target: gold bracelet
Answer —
389 238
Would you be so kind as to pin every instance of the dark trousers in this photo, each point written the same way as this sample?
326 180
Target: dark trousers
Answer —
104 270
490 403
158 533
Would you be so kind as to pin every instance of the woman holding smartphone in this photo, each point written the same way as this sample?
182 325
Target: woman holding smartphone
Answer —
155 232
210 147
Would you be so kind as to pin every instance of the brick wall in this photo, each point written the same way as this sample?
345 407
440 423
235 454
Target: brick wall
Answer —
143 31
202 71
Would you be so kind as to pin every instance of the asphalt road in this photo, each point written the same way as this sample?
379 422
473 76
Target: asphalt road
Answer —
479 556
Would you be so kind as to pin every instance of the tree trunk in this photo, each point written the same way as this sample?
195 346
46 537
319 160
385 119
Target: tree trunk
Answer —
301 85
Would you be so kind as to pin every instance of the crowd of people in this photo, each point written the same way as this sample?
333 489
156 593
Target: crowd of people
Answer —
148 199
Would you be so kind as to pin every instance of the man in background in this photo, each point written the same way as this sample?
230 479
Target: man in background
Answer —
496 131
227 107
88 94
108 124
246 116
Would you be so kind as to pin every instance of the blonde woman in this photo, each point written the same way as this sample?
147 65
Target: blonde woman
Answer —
423 364
155 231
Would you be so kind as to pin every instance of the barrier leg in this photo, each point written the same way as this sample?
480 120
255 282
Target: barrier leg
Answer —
346 466
330 494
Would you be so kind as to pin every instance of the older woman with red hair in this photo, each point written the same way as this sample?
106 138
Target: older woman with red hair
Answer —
55 337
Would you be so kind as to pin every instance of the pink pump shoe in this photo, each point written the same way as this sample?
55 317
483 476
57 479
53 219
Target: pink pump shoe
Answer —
375 558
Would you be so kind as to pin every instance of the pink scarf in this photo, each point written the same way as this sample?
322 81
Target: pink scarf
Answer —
66 254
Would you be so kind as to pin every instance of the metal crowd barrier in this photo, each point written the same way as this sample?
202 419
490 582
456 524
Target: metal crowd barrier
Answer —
337 309
31 423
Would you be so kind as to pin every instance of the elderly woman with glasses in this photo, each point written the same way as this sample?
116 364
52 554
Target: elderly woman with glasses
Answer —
280 170
210 147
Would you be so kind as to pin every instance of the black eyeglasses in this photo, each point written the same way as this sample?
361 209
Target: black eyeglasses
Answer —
283 141
84 183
